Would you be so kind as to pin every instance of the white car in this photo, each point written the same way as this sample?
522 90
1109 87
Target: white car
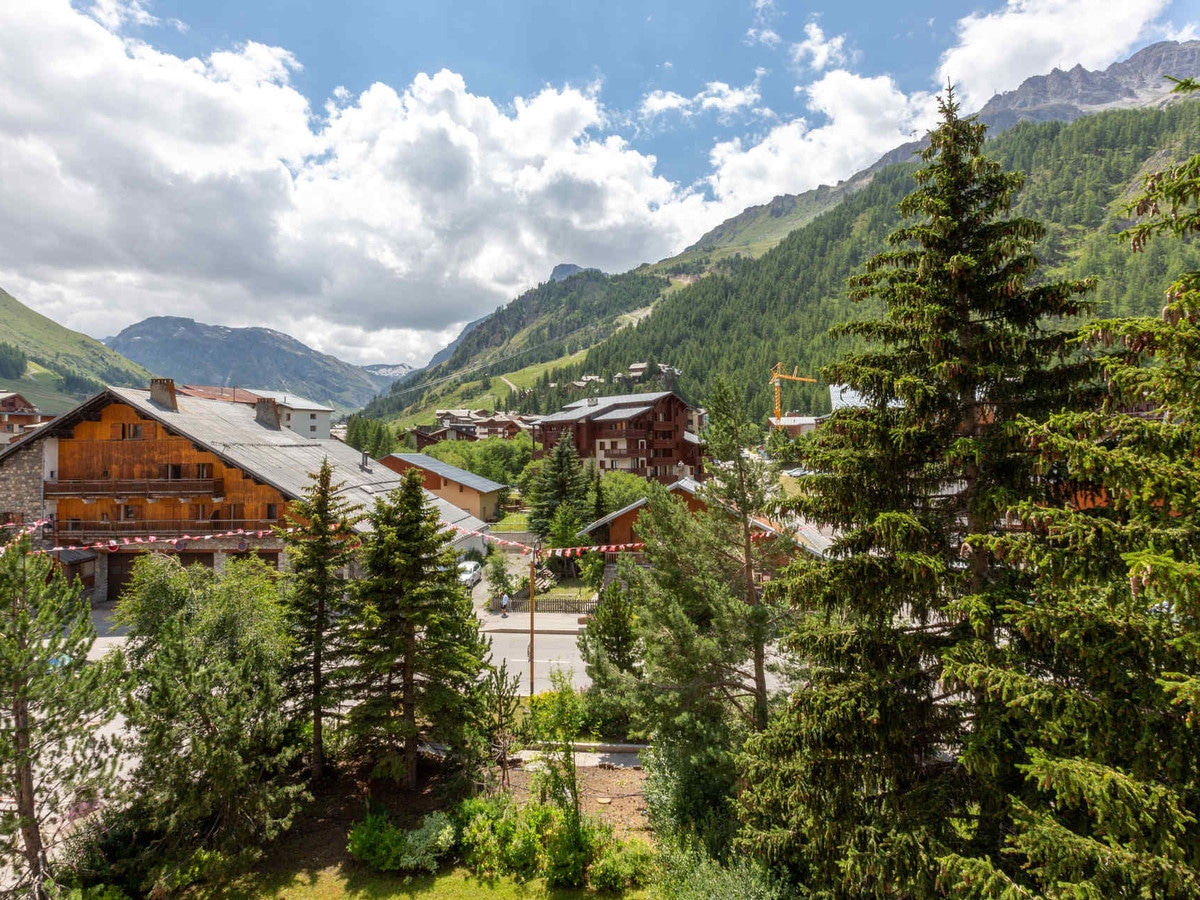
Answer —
470 573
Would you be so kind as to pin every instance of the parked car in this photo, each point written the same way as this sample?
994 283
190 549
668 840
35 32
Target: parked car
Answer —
470 573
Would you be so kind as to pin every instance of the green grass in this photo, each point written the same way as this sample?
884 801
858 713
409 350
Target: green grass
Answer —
513 521
359 883
40 387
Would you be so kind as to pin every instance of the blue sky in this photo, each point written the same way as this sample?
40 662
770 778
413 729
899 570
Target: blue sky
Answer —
368 176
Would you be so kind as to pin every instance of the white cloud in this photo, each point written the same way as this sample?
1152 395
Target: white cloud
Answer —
113 14
137 183
996 51
766 36
820 52
717 96
865 117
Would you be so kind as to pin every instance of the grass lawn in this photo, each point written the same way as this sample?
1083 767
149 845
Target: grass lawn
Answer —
514 521
349 880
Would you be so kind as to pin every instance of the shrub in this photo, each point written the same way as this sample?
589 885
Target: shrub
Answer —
486 825
570 852
621 865
378 843
691 874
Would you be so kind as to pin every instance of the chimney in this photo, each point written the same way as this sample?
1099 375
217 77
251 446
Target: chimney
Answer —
266 412
162 392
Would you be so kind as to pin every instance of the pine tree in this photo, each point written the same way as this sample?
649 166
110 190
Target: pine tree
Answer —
880 766
53 706
1102 677
320 541
561 481
416 643
207 652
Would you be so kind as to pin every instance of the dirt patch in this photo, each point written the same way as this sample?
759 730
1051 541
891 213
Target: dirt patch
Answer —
317 838
613 795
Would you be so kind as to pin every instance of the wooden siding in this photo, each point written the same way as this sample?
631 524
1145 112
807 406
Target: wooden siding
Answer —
123 447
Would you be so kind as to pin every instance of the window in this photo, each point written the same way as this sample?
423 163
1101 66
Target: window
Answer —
312 427
128 512
271 511
174 471
204 470
312 415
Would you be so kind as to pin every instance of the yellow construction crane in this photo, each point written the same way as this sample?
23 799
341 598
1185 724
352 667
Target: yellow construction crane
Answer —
777 374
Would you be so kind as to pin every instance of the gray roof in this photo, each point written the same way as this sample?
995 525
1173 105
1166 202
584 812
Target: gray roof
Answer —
280 457
688 484
293 401
454 473
587 409
621 413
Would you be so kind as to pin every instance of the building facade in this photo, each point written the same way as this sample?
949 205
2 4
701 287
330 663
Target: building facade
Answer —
131 470
643 434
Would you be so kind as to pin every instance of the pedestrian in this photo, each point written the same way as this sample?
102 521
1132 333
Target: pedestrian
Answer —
504 605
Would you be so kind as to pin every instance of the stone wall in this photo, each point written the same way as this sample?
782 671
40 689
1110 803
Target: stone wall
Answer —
21 485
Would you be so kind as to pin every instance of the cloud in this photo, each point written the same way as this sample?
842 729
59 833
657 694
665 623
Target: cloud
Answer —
864 117
820 52
138 183
996 51
767 36
717 96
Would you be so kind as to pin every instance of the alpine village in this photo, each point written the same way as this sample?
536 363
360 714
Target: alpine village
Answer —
853 552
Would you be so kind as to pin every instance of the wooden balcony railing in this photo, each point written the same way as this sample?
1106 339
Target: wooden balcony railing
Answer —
135 487
85 530
621 454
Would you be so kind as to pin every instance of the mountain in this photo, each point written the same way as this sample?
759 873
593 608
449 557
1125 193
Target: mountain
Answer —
554 319
390 371
749 313
1080 178
195 353
563 271
1059 97
1066 96
64 366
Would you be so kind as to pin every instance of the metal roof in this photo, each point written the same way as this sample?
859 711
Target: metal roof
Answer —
275 456
591 407
621 413
454 473
293 401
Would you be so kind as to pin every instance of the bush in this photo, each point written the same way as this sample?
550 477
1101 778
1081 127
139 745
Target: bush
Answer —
691 874
570 852
383 846
485 824
622 865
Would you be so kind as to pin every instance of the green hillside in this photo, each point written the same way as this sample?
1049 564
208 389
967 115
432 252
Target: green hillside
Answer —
546 324
750 313
780 307
64 366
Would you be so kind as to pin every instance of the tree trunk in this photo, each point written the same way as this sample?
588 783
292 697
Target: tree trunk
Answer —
318 697
31 836
410 708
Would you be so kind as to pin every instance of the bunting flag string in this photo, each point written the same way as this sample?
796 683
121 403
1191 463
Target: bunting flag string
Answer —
117 543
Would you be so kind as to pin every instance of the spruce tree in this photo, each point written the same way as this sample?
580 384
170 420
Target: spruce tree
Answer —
415 641
560 481
53 707
1101 679
320 540
879 766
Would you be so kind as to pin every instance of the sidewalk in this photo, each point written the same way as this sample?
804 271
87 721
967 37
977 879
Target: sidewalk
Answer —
518 622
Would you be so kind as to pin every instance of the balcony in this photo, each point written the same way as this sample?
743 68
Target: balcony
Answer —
664 443
83 531
620 454
627 433
135 487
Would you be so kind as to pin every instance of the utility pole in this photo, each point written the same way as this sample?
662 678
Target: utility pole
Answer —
532 588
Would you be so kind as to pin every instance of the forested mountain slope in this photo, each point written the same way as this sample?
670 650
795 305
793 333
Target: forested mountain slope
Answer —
554 319
780 307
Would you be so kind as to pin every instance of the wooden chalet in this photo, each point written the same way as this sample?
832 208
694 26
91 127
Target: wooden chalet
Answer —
644 434
18 416
131 470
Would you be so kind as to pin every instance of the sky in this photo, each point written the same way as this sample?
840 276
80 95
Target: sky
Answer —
370 175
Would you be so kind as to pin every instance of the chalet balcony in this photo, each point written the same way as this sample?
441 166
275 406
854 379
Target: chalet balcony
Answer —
83 531
621 454
663 443
135 487
626 433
